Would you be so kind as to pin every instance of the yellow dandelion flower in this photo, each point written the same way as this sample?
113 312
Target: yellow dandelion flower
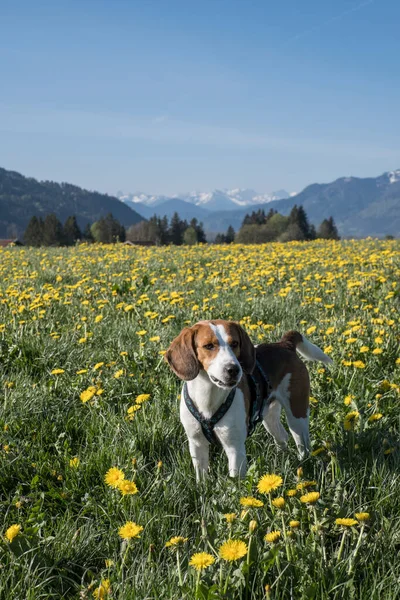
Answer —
57 371
269 482
272 537
305 484
348 399
251 502
142 398
130 530
294 524
350 420
127 487
103 590
98 365
358 364
81 371
311 330
375 417
233 550
176 541
291 493
118 374
346 522
88 394
230 517
377 351
201 560
310 498
12 532
141 332
156 338
74 462
98 318
113 477
362 516
278 502
364 349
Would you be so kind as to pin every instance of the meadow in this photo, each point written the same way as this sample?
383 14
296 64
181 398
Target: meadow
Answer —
97 492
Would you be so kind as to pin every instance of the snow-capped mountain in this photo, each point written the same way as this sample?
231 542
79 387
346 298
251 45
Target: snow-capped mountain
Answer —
214 201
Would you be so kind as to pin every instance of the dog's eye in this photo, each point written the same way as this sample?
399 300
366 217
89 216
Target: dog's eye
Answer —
234 344
209 346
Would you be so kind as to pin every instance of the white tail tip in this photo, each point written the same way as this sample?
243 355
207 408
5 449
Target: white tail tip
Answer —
310 351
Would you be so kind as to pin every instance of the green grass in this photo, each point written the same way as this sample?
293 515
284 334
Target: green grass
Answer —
70 518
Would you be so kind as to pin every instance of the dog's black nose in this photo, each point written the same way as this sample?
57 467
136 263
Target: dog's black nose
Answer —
233 370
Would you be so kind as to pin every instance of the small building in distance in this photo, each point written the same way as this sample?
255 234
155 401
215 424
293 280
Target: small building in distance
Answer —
14 242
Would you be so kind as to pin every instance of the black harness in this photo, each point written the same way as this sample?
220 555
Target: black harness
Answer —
257 403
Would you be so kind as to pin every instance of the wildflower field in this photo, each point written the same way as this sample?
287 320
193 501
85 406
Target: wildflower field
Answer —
97 491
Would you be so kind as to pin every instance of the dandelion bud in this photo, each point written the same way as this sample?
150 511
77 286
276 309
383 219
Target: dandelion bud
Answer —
268 591
252 525
134 462
300 472
243 514
159 464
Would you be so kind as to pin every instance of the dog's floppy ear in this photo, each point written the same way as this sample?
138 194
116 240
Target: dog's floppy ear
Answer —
247 356
181 355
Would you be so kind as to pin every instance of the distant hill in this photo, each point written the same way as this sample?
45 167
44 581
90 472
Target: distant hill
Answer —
360 207
23 197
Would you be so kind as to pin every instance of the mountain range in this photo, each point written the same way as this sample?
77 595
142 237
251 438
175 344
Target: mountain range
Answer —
360 206
213 201
24 197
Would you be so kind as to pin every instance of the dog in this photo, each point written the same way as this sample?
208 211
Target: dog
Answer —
230 385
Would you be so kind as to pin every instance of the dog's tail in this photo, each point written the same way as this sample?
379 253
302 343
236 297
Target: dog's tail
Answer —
296 341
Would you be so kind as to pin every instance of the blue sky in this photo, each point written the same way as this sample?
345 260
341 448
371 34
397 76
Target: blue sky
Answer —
168 96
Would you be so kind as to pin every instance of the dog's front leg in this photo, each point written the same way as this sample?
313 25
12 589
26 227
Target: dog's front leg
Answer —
237 460
199 451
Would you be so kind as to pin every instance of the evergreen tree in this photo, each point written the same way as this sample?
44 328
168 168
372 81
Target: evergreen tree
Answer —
328 230
198 227
33 235
53 234
230 235
298 217
176 230
72 233
220 239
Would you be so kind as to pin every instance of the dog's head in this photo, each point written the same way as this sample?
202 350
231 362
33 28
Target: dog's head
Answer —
221 348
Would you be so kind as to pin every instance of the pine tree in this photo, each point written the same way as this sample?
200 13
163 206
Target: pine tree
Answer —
219 239
328 230
72 233
176 229
53 234
198 227
33 235
299 218
230 235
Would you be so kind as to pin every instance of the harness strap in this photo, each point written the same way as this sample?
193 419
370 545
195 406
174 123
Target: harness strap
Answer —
256 409
207 425
258 399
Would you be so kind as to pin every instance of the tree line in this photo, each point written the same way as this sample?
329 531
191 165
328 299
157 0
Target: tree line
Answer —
160 231
259 227
50 231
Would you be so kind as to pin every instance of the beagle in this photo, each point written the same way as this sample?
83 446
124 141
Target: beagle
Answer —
230 384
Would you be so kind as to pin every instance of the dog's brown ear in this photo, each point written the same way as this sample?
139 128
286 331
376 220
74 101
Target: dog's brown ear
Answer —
247 356
181 355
